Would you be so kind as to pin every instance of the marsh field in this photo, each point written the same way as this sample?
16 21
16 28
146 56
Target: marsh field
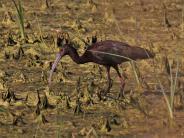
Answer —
74 106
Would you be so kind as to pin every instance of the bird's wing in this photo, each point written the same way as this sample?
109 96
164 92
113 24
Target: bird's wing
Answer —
111 48
110 52
114 52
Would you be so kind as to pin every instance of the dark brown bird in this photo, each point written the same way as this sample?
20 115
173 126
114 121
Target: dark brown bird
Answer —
108 53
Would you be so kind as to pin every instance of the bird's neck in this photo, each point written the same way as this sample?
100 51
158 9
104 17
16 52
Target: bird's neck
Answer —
76 58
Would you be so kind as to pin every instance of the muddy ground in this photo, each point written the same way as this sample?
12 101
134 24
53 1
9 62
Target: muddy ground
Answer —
72 106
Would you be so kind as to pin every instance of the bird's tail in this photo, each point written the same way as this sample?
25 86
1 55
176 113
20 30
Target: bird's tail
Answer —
141 53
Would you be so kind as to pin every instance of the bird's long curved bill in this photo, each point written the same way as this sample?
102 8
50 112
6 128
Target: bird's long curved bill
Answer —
58 57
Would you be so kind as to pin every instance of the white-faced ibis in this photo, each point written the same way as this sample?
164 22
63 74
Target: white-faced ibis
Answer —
108 53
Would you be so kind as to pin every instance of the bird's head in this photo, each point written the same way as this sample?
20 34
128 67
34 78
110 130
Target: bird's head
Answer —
63 42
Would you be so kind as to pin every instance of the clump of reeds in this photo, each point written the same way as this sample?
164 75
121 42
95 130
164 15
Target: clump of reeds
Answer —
20 14
173 84
136 73
183 18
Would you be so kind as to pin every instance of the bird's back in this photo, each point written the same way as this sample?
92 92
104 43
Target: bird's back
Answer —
113 52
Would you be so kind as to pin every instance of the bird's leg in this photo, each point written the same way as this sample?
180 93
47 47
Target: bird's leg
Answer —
108 79
122 81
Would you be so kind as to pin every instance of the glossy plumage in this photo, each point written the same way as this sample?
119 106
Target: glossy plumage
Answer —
108 53
112 53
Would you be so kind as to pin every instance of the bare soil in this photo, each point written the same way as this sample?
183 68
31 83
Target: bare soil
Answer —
72 107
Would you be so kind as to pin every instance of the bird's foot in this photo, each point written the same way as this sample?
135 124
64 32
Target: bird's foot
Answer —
122 93
109 87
